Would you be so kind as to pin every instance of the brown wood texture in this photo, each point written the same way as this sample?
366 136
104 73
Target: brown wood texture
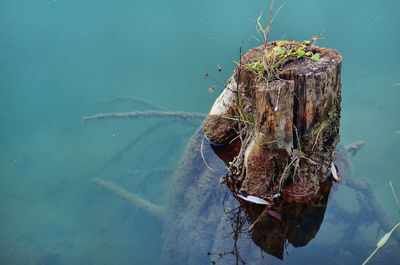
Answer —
296 125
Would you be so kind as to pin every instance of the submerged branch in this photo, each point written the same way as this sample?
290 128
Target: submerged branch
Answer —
146 114
371 206
133 199
131 99
117 156
148 171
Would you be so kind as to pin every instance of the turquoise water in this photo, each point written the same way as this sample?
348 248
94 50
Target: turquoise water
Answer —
59 61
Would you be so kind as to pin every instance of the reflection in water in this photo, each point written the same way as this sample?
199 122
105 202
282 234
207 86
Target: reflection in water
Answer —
50 211
288 220
239 221
295 222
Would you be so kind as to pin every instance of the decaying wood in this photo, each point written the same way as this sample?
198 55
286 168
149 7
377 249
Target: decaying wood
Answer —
296 124
218 127
273 136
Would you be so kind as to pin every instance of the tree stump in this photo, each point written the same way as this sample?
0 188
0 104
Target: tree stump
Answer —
285 121
276 126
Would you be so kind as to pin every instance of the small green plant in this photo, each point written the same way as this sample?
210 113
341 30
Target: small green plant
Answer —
315 57
268 66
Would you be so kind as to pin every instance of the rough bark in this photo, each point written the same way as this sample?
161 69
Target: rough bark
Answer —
296 126
273 139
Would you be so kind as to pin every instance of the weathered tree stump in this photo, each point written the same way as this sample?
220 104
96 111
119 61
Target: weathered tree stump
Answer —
276 126
293 113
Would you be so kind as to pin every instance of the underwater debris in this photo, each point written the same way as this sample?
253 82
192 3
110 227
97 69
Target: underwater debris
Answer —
133 199
354 147
137 101
146 114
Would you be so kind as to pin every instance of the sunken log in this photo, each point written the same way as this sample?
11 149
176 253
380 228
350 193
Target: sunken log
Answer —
285 118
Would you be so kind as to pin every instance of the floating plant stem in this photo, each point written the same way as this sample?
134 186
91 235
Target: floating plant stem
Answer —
381 242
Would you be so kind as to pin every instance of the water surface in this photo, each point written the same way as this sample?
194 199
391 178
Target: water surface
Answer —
60 59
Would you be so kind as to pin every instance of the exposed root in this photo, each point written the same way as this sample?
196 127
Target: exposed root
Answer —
295 162
133 199
146 114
